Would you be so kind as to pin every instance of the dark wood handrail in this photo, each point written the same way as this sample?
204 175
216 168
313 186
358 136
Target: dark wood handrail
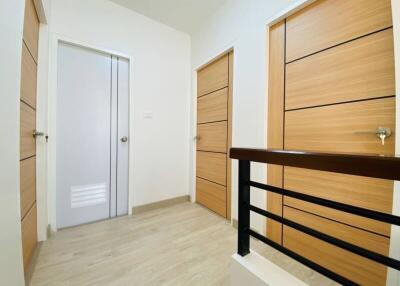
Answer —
376 166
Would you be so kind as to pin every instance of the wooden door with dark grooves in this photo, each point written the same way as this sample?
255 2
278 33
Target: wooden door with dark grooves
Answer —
214 93
331 85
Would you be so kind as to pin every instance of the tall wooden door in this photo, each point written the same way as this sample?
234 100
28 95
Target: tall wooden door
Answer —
27 129
332 89
214 101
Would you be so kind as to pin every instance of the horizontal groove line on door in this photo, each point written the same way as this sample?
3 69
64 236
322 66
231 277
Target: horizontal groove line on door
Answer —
27 47
23 101
208 93
29 209
211 181
341 43
208 151
339 103
350 225
216 121
29 157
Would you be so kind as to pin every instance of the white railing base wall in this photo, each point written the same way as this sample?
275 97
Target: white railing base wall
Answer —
255 270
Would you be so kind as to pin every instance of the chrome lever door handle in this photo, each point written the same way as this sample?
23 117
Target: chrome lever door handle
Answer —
36 133
381 132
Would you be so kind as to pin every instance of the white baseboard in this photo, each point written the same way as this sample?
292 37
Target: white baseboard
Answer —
160 204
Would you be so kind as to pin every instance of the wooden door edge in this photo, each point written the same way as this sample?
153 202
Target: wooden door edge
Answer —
229 161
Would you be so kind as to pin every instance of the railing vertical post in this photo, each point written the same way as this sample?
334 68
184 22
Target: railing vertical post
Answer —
244 208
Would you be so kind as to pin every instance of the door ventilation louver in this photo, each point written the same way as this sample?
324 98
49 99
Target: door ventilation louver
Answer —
88 195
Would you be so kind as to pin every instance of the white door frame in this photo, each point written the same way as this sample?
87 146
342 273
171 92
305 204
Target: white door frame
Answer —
52 117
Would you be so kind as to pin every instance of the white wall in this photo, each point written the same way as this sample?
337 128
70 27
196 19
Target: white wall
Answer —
161 84
241 24
11 26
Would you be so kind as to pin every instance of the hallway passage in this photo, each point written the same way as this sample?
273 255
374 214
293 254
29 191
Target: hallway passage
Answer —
179 245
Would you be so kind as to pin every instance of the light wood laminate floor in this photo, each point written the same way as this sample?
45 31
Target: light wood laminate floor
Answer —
180 245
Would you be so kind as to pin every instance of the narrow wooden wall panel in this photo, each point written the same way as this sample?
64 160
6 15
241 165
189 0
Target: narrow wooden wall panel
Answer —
31 28
28 184
212 137
342 128
213 77
213 107
28 124
276 84
28 78
211 195
212 166
327 23
360 69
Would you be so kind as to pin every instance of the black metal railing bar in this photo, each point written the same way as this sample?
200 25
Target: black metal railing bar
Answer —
384 167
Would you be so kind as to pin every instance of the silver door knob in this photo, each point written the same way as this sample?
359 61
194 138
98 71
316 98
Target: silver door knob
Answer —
124 139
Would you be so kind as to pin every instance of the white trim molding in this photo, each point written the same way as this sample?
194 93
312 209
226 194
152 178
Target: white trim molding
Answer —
289 11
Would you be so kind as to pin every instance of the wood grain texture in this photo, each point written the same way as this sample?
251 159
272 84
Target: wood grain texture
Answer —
31 28
274 202
370 193
29 235
212 137
213 107
336 128
214 88
28 124
343 217
361 238
228 160
212 167
28 77
212 196
28 184
326 23
276 89
358 269
359 69
213 77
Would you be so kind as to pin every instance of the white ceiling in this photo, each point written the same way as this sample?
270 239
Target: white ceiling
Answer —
183 15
